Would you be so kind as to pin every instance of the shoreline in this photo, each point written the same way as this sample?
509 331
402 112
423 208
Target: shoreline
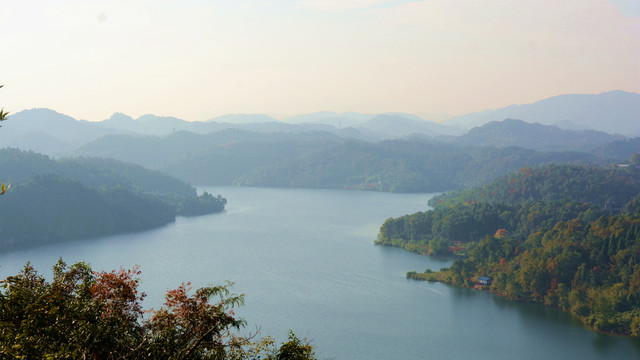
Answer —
439 276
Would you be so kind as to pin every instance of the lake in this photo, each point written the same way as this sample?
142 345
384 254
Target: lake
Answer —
305 261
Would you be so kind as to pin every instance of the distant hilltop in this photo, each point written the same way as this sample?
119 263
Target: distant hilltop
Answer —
614 112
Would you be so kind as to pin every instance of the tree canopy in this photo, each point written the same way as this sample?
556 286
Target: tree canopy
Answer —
564 236
82 314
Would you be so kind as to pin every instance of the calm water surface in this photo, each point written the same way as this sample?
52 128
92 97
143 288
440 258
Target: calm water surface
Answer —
305 261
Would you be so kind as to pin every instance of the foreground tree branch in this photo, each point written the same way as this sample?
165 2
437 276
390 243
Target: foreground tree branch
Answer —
98 315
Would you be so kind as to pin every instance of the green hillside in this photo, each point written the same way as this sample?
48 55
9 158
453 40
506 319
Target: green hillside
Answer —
401 166
550 235
58 200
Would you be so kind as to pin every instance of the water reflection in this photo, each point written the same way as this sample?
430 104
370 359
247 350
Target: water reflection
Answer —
537 319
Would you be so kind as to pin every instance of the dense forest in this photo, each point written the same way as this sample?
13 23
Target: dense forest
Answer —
20 166
615 184
216 158
318 159
565 236
59 200
402 166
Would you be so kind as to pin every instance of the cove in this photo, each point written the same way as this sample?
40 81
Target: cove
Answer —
305 261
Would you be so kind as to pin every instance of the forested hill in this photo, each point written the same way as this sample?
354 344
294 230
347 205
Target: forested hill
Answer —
614 185
208 159
550 244
521 203
318 159
512 132
620 149
20 166
402 166
50 208
58 200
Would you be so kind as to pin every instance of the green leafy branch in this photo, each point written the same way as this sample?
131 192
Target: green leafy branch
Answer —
3 117
3 114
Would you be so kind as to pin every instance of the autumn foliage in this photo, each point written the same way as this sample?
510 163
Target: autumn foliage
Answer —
83 314
564 236
118 293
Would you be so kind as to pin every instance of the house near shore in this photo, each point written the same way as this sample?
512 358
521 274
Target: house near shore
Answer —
484 280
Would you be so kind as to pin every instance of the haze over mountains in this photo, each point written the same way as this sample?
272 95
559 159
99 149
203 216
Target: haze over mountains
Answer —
614 113
511 132
397 152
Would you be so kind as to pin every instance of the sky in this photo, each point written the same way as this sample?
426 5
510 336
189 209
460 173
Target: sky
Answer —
196 59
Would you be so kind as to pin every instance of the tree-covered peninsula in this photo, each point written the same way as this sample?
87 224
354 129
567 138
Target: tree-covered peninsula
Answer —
60 200
564 236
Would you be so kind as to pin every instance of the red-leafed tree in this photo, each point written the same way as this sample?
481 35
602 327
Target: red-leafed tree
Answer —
83 314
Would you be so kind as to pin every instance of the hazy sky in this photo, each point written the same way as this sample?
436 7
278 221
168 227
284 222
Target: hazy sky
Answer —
198 59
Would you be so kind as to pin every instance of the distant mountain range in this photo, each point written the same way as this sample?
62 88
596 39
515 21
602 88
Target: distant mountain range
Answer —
49 132
400 125
339 120
566 122
312 158
322 159
615 112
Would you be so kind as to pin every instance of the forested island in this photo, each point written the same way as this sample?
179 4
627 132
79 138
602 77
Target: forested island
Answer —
60 200
561 235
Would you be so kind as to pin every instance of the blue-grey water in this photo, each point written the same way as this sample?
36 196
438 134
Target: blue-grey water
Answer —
305 261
